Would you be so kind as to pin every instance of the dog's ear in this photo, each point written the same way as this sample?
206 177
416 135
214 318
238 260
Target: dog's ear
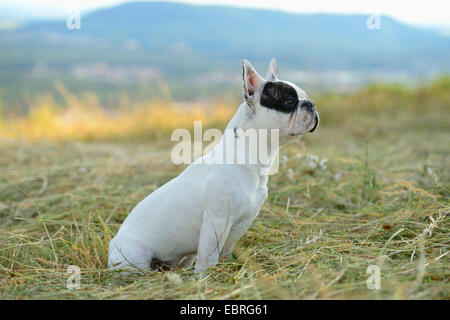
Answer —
272 73
252 82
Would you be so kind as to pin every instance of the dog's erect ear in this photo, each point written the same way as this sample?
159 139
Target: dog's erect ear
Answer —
252 82
272 74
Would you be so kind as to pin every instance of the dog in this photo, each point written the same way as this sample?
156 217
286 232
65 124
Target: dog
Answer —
200 214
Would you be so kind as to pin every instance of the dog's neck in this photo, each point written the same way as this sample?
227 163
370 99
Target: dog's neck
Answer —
241 124
242 118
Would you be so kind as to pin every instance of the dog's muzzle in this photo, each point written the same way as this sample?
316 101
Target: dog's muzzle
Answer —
316 123
309 106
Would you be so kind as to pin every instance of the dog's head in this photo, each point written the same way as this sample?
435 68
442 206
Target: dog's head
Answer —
278 104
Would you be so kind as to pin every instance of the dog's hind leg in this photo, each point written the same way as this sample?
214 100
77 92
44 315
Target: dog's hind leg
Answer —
128 254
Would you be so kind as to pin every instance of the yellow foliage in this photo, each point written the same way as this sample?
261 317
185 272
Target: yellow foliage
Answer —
83 119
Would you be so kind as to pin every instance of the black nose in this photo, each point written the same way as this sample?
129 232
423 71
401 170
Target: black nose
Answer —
308 105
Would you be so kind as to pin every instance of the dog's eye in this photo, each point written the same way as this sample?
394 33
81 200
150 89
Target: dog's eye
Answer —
290 102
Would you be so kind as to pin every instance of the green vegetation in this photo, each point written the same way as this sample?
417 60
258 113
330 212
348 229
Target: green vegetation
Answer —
370 187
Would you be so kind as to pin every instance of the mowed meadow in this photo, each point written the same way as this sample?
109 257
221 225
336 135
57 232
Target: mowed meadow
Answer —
369 188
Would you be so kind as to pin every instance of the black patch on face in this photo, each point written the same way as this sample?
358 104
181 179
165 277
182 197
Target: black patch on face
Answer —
279 96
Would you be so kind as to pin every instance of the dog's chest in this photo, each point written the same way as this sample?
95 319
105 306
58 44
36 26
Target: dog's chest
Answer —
261 192
251 210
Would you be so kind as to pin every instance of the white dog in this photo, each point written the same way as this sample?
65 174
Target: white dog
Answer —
200 214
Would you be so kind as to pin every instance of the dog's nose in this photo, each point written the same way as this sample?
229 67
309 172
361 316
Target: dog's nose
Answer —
308 105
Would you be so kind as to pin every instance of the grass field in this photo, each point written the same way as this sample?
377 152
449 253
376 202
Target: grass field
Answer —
370 187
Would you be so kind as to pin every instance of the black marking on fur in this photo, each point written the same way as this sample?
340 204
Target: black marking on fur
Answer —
279 96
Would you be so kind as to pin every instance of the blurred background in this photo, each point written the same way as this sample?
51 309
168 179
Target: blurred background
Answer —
115 57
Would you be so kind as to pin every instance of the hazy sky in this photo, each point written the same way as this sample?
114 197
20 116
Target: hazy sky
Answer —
429 12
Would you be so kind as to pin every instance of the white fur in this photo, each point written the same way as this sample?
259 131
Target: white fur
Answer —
208 207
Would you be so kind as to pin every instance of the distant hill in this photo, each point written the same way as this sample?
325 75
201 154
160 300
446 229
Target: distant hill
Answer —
310 41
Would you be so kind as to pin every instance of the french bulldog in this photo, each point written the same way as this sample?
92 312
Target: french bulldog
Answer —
200 214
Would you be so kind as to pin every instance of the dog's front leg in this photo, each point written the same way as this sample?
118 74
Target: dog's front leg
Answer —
213 234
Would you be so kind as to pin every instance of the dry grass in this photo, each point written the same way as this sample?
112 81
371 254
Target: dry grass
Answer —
381 199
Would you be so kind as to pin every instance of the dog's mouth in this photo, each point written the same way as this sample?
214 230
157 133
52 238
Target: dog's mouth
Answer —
316 122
